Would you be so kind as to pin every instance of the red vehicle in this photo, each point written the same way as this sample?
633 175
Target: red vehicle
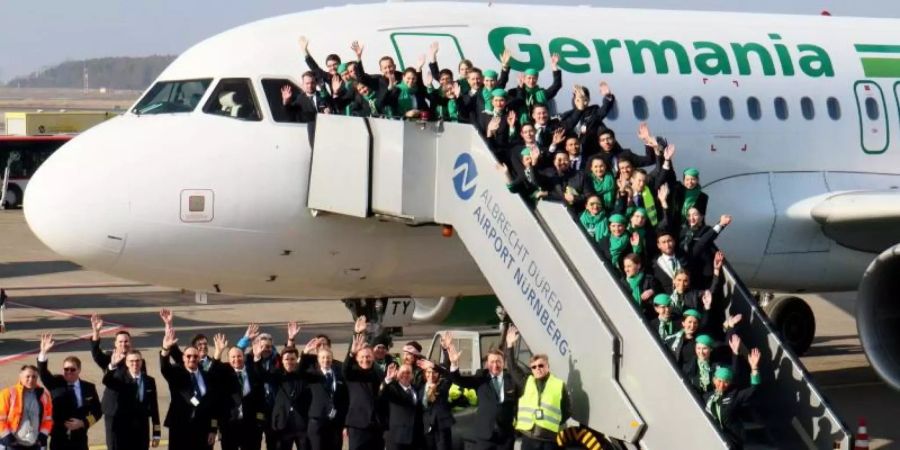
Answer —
20 157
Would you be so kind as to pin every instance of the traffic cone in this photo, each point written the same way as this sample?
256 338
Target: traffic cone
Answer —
862 436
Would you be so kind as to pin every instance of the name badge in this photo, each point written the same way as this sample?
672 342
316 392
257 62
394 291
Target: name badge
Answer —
539 414
195 401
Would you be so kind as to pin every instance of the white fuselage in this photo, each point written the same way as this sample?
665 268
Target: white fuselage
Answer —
112 198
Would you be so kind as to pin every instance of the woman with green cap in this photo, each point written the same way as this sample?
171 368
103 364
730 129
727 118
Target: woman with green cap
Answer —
597 180
681 344
531 94
594 219
699 369
641 286
411 99
697 242
724 404
528 183
665 324
618 242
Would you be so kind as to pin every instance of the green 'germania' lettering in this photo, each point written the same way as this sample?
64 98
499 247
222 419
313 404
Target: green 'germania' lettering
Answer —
773 57
658 50
713 63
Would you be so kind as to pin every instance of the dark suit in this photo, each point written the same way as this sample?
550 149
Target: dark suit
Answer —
494 418
327 408
663 272
437 416
130 429
191 416
585 123
405 429
364 418
65 407
243 405
109 403
289 414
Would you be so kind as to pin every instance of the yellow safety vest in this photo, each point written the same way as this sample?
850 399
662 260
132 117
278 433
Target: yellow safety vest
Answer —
542 409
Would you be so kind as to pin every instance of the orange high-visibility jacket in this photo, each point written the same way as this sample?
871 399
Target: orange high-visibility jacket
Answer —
11 406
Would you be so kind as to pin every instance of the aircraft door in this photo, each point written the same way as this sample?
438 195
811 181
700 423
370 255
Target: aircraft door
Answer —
410 46
873 121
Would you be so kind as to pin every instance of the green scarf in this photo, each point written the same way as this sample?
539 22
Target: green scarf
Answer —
596 226
642 232
373 105
405 99
690 199
486 95
704 372
635 284
665 329
650 206
533 96
676 339
606 189
677 302
617 248
714 407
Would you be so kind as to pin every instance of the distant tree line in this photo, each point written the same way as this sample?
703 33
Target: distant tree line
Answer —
111 73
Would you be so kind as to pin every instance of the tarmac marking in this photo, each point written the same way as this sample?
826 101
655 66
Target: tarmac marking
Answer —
21 355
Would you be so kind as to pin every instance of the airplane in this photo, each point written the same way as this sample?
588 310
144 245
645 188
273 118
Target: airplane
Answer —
788 118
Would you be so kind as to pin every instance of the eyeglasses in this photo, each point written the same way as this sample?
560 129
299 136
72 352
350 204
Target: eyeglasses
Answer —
70 369
191 356
537 366
593 204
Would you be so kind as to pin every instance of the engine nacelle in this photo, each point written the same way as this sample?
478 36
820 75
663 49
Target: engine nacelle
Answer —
462 311
878 315
432 310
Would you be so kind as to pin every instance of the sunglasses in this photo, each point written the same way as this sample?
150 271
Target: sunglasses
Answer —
191 356
70 369
537 366
594 204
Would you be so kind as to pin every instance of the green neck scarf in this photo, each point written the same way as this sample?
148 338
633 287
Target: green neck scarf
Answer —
665 329
677 302
593 224
617 248
714 407
405 99
605 188
690 199
370 99
635 284
704 370
535 96
486 94
677 339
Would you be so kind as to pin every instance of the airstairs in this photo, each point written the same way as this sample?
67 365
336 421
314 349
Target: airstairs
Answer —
563 297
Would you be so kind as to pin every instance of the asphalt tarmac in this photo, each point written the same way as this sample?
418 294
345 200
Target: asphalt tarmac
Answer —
48 294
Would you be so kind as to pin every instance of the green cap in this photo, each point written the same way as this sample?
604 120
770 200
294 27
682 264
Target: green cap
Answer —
532 72
724 373
498 93
662 300
692 172
640 210
342 68
692 313
492 74
704 339
617 218
525 152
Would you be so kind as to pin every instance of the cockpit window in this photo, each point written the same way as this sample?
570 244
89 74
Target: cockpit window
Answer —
167 97
233 97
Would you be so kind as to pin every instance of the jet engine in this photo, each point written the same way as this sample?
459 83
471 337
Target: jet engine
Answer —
878 315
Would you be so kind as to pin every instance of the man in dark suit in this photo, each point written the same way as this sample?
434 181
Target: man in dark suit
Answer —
498 396
437 412
669 262
405 428
122 345
363 420
242 413
76 405
327 404
191 417
136 396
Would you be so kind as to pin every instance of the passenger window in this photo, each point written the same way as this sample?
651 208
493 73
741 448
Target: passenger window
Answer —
272 89
640 108
781 108
167 97
726 108
754 109
613 112
670 109
698 108
872 110
807 108
834 108
233 97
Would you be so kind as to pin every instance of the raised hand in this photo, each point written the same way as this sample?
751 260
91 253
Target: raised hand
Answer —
644 132
503 169
292 330
718 261
493 125
447 340
47 343
169 339
391 371
117 357
554 61
505 57
96 326
735 343
604 89
512 336
453 355
358 342
311 346
392 79
359 327
669 152
357 49
221 343
433 51
457 90
707 300
304 44
286 93
167 317
521 80
635 239
252 331
559 135
511 119
753 358
420 63
725 220
733 320
663 194
425 364
427 79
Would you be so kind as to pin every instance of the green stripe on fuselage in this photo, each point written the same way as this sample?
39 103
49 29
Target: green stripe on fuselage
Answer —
877 48
474 311
881 67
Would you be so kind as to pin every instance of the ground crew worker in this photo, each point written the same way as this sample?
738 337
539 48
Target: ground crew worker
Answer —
26 413
544 404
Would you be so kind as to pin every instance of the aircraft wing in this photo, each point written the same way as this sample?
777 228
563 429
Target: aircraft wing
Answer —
868 221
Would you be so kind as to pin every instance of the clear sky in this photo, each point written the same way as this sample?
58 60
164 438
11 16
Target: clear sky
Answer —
40 33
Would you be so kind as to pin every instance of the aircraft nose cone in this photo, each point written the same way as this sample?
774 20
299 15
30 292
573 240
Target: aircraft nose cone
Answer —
76 204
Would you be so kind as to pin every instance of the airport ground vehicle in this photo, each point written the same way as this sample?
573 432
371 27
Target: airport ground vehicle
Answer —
20 157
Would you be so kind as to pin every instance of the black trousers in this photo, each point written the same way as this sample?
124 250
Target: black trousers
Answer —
242 435
78 440
439 439
287 440
188 438
534 444
134 434
324 435
505 443
365 439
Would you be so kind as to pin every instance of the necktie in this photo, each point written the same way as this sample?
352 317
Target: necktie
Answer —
242 378
72 396
140 388
329 382
673 263
196 383
495 381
